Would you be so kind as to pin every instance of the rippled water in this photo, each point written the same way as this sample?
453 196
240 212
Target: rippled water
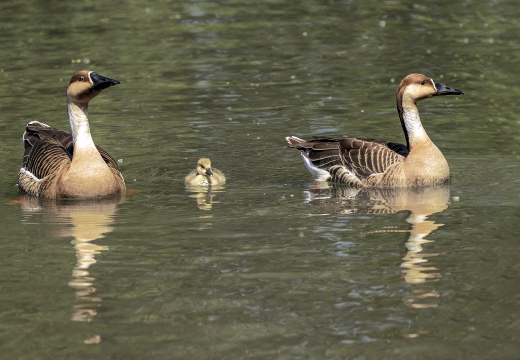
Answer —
269 266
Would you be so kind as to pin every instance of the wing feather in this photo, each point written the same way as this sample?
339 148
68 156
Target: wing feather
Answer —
47 149
350 160
322 152
365 157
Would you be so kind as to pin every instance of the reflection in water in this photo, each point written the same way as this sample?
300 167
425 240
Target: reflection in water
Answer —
421 203
205 195
90 220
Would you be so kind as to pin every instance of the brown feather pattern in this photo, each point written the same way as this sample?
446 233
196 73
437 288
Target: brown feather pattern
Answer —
365 157
47 151
375 163
61 164
323 152
349 158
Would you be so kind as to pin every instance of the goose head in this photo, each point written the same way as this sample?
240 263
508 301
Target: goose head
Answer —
85 85
417 87
204 167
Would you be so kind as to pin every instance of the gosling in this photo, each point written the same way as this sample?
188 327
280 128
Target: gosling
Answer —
205 175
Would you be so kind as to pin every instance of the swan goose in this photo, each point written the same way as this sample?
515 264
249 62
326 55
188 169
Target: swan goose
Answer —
375 163
57 164
205 175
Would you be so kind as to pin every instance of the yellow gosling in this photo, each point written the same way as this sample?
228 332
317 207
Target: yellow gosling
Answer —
205 175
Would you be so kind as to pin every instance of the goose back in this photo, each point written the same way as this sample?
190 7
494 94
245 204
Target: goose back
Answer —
48 153
350 159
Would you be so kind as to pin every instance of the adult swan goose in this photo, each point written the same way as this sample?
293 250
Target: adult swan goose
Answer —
57 164
375 163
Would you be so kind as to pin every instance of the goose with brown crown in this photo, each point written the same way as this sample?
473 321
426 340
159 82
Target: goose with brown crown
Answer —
363 162
58 164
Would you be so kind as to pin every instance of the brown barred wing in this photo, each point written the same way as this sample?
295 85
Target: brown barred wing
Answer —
365 157
322 152
45 158
36 132
46 149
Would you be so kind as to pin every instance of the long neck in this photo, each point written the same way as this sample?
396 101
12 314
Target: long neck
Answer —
79 126
411 122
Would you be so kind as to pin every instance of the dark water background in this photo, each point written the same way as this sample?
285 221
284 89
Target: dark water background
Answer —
269 267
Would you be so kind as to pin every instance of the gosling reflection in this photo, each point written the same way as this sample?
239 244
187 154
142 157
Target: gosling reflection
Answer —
89 220
421 203
204 195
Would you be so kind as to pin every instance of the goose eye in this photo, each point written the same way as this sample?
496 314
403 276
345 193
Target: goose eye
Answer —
81 78
423 82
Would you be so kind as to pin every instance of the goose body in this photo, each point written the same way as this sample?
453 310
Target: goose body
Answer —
374 163
58 164
205 175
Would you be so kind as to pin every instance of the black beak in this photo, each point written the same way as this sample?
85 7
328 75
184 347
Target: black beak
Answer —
443 89
101 82
209 172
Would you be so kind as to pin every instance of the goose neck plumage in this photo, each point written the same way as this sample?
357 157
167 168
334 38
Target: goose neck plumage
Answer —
411 121
79 125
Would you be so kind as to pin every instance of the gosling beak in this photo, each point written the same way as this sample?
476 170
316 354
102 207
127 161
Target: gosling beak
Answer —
209 172
101 82
443 89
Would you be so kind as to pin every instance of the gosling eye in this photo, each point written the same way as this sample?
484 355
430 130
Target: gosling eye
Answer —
81 78
423 82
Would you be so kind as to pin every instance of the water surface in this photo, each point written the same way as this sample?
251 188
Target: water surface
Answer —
269 266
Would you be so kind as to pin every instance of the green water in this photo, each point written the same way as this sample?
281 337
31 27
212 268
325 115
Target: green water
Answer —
268 267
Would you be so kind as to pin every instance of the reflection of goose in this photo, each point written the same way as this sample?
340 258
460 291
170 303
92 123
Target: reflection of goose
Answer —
90 220
421 202
205 175
418 200
205 196
375 163
58 164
